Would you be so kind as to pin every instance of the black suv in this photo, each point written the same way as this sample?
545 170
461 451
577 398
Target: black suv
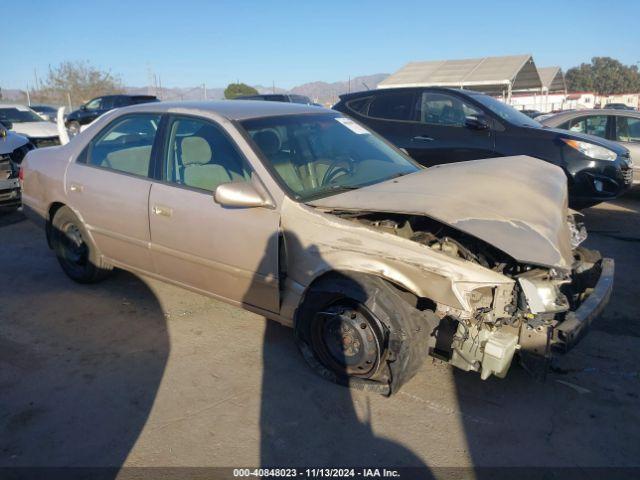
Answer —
443 125
91 110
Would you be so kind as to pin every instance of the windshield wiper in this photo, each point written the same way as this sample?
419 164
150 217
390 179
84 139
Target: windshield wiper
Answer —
331 190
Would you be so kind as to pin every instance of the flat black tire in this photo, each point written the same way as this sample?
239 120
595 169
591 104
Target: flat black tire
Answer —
357 330
76 253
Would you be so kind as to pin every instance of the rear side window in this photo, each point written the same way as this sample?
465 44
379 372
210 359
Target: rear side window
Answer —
392 106
627 129
125 145
108 103
200 155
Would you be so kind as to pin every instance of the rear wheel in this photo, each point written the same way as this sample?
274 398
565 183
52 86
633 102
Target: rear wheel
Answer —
74 249
356 330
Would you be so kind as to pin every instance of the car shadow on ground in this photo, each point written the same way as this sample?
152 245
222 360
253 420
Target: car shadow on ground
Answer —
94 365
307 421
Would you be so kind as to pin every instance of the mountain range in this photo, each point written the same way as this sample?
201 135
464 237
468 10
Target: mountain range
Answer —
324 93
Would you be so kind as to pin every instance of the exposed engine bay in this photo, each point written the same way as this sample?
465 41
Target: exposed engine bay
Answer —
522 319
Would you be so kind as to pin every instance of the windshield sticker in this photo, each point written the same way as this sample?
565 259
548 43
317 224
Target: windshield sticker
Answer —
353 126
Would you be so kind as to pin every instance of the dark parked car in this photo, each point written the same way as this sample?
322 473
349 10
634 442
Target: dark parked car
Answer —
91 110
442 125
278 97
47 112
620 126
617 106
531 113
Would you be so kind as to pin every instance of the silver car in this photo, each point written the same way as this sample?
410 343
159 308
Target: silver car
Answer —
621 126
308 218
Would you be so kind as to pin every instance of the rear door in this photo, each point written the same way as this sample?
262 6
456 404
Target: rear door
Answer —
109 186
441 135
231 253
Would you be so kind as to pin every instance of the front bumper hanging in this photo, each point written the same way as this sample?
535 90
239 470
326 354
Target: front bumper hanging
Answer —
537 345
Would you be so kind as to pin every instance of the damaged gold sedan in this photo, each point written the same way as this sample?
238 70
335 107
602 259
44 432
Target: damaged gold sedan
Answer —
306 217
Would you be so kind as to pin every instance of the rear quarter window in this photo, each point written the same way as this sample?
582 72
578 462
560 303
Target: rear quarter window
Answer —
359 105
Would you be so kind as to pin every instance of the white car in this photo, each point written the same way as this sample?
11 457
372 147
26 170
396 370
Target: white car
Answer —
23 120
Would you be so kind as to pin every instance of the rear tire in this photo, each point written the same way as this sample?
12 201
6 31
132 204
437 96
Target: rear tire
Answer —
356 330
76 253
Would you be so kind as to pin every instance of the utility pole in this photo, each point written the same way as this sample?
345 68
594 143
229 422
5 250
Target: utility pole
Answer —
204 92
349 84
273 86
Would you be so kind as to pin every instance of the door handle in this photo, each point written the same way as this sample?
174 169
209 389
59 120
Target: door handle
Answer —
76 187
422 138
162 211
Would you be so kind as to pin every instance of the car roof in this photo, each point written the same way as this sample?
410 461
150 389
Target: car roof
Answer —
364 93
231 109
586 112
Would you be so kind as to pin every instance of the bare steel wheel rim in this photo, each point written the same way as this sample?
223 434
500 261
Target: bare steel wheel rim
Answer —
347 339
75 251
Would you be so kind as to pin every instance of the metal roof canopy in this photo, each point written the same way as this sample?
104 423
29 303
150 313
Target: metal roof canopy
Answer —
552 79
488 74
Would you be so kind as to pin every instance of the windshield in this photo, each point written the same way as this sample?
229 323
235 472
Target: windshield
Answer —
18 115
319 155
506 112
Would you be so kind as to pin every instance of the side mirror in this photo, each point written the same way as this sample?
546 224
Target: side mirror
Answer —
240 194
476 123
6 124
83 107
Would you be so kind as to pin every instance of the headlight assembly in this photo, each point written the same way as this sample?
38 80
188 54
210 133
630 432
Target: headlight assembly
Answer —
591 150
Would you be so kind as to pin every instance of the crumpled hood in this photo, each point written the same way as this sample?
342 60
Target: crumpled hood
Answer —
517 204
36 129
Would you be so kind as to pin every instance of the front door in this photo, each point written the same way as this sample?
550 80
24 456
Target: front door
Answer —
231 253
441 133
109 186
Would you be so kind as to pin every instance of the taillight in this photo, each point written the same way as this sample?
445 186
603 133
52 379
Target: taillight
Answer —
21 174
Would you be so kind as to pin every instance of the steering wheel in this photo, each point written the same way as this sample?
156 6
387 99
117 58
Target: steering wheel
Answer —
336 168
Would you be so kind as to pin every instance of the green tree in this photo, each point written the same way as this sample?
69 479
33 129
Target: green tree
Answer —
234 90
80 80
604 76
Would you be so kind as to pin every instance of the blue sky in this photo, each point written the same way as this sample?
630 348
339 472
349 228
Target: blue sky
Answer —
190 42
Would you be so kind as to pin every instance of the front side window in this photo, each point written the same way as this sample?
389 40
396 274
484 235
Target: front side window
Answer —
200 155
319 155
442 109
627 129
125 146
591 125
392 106
95 104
